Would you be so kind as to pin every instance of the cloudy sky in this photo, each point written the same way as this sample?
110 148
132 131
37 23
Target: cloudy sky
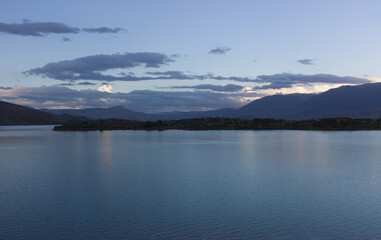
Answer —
182 55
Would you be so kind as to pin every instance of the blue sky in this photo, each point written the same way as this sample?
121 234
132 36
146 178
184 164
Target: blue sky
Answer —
228 52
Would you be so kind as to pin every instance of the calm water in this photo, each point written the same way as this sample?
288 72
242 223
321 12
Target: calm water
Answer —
189 184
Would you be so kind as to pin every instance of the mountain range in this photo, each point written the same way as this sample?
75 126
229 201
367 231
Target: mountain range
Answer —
361 101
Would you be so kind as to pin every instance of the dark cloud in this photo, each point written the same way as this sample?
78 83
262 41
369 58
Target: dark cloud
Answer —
66 39
182 76
104 30
305 61
172 75
236 79
144 100
5 88
220 50
87 84
40 29
175 55
89 68
67 84
286 80
216 88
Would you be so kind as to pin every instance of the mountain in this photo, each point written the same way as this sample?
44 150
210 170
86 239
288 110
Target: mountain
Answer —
224 112
118 112
362 101
12 114
276 106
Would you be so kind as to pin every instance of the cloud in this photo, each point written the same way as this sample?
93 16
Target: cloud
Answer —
216 88
94 68
104 30
87 84
143 100
305 61
5 88
172 75
77 84
66 39
287 80
89 68
373 79
67 84
220 50
41 29
105 88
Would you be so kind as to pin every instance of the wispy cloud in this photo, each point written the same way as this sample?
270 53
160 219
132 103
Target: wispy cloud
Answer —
41 29
212 87
87 83
66 39
287 80
219 50
104 30
305 61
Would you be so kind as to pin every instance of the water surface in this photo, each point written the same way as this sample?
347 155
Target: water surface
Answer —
189 184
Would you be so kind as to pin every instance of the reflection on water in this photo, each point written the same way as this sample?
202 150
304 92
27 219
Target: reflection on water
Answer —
189 184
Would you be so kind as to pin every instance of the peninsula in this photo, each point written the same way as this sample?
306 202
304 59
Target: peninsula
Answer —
225 124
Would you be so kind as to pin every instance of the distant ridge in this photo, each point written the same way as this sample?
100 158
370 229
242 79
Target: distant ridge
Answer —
13 114
118 112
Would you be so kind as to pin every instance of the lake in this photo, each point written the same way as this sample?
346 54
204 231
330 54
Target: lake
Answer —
189 184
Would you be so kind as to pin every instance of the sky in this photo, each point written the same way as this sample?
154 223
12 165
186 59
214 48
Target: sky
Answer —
182 55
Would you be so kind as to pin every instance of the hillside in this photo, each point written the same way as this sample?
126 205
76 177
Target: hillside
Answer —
363 101
12 114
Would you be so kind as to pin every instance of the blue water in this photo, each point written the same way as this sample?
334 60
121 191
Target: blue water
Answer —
189 184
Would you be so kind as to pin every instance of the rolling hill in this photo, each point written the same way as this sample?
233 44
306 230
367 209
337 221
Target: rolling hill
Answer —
12 114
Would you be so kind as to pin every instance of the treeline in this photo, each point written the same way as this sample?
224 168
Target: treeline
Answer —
225 124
